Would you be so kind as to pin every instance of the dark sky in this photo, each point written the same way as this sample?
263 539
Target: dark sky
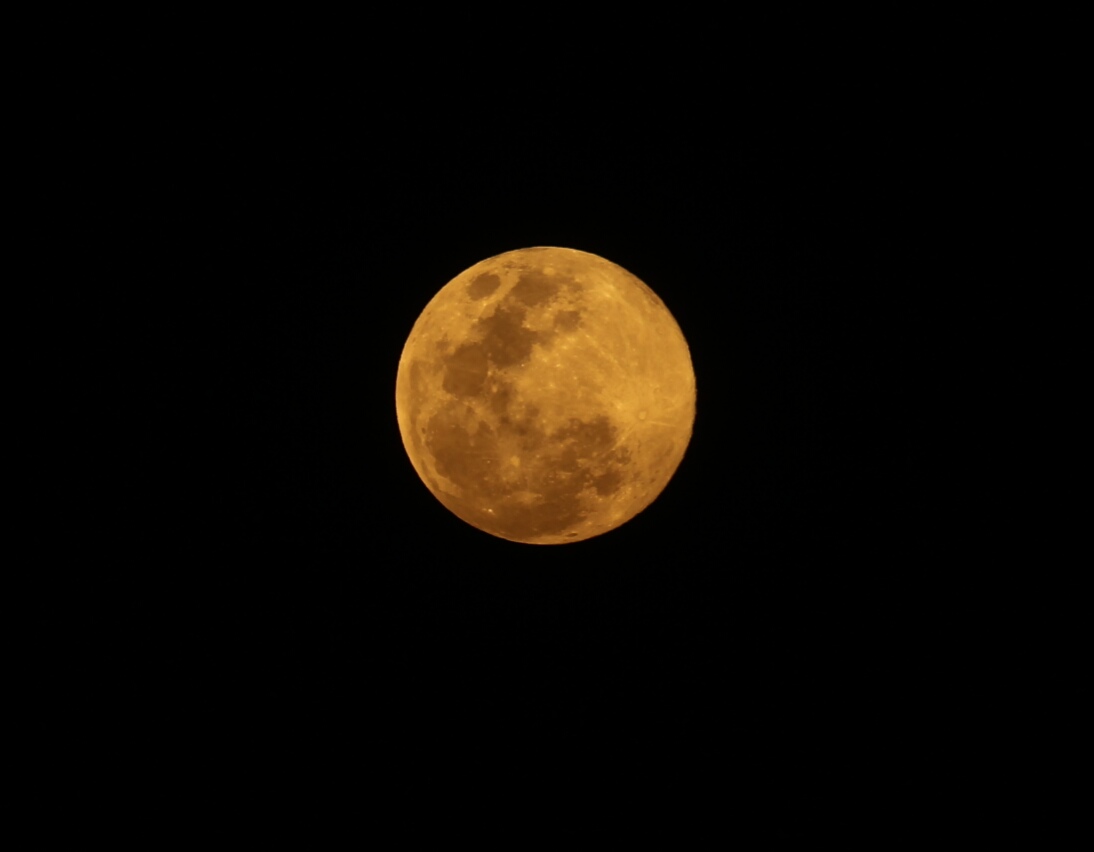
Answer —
291 581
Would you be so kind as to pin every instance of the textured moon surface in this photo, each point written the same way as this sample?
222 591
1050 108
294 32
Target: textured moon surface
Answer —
545 395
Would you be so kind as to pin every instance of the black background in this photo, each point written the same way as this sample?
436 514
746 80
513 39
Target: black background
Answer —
290 590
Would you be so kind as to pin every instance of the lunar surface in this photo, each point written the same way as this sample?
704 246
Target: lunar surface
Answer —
545 395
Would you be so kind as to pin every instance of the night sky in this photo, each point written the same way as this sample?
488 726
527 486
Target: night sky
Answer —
292 586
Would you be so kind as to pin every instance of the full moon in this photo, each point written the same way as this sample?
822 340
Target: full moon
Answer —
545 395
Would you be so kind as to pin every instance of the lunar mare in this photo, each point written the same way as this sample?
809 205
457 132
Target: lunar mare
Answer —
545 395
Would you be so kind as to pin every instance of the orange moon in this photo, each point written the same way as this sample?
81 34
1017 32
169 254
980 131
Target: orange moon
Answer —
545 395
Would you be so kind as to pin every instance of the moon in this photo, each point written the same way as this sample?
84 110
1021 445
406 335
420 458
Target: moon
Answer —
545 395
